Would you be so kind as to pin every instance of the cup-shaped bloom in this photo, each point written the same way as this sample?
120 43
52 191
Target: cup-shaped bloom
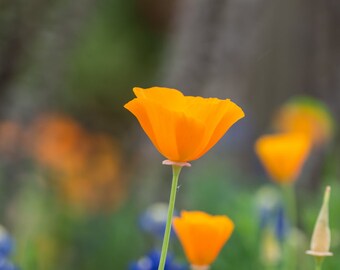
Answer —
321 239
202 235
283 155
182 128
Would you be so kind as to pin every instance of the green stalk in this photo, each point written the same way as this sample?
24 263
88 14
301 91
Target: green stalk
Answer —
175 174
290 206
290 202
318 263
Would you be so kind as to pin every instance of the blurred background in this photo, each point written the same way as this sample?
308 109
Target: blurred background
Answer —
80 183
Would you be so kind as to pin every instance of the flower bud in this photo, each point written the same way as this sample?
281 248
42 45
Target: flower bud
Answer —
321 238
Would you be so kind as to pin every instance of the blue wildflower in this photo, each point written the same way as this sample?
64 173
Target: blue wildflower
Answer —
267 201
153 220
6 243
5 264
151 261
271 212
281 224
6 248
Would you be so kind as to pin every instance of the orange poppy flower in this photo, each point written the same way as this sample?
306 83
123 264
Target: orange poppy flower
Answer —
100 185
58 142
182 128
283 155
306 115
11 134
202 235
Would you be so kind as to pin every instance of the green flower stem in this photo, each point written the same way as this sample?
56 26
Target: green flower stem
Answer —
290 202
175 174
318 263
290 206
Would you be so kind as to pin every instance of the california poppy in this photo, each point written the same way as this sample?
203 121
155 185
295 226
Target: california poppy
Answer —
202 235
182 128
306 115
58 142
283 155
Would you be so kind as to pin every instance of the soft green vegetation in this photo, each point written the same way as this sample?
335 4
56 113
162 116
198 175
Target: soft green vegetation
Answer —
52 235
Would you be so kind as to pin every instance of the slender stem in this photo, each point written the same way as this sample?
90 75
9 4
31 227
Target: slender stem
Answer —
318 263
175 174
290 202
290 206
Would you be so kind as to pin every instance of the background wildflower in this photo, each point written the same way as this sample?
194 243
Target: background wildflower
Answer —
270 248
6 249
58 142
11 135
306 115
151 261
283 155
100 184
153 219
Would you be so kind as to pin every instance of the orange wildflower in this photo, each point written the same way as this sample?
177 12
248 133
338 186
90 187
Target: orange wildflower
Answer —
283 155
182 128
202 235
306 115
10 138
58 142
100 185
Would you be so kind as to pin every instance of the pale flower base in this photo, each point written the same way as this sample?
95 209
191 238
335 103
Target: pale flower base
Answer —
179 164
319 254
200 267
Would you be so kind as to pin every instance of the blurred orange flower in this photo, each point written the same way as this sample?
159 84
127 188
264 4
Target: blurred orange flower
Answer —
182 128
306 115
58 142
100 184
11 135
202 235
283 155
88 167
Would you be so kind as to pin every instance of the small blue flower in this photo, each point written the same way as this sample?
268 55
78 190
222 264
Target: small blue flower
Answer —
5 264
271 212
6 249
153 220
267 201
151 261
6 243
281 225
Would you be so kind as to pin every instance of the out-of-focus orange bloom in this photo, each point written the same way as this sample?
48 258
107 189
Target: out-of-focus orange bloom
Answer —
202 235
88 166
10 137
58 142
283 155
100 184
308 116
182 128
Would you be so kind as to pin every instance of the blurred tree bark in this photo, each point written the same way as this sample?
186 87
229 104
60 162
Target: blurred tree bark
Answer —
258 53
36 37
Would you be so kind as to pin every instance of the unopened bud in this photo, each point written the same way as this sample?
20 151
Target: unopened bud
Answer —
321 238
